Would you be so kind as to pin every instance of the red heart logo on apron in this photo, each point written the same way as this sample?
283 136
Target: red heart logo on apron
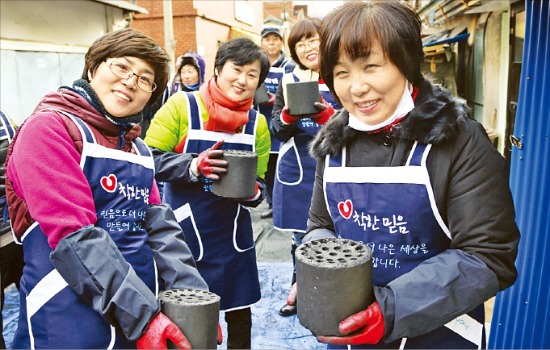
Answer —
109 183
345 208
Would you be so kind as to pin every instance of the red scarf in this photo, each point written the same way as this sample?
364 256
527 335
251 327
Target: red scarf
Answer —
224 114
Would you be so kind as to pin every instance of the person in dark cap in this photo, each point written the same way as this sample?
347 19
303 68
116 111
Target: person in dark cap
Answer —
272 44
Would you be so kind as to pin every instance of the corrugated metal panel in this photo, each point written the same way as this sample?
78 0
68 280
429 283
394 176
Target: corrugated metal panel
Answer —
521 318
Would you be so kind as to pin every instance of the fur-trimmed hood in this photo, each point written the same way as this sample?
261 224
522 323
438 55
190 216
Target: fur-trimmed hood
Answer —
435 118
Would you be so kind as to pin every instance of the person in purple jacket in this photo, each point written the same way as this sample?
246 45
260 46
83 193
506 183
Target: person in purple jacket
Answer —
189 76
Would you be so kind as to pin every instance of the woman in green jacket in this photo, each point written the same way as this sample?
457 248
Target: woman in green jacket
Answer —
218 230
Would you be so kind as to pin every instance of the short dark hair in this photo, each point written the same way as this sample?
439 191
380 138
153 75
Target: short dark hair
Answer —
130 42
349 30
242 51
304 28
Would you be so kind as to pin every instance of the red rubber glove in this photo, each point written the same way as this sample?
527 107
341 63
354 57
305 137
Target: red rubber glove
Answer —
208 165
257 194
371 319
220 335
159 331
271 100
326 111
292 295
287 118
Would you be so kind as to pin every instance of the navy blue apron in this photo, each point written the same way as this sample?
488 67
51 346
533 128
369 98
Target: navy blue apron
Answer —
271 83
6 133
393 211
295 173
6 129
218 230
51 314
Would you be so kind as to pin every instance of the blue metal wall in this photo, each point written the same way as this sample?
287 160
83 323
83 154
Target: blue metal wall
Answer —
521 317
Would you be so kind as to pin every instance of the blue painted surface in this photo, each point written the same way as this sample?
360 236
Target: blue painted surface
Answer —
10 313
269 330
521 317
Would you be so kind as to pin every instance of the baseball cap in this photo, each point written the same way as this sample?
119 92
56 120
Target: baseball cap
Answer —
268 30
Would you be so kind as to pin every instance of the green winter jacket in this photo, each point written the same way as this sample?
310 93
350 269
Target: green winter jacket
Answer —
170 124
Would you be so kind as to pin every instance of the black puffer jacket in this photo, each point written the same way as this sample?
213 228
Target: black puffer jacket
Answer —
470 182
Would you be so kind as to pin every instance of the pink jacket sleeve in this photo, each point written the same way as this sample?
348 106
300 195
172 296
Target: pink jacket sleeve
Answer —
45 170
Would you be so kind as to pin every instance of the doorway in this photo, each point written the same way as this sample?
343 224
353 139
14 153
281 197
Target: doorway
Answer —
517 37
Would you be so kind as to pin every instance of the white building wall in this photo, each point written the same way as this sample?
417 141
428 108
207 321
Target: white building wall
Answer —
42 46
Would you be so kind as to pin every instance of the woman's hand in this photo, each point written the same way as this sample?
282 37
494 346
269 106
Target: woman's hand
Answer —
371 319
288 118
208 163
220 335
325 112
159 331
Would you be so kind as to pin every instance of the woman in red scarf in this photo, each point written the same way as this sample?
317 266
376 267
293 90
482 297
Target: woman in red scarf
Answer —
188 135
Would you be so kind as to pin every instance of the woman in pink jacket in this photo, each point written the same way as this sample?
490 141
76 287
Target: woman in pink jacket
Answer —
98 245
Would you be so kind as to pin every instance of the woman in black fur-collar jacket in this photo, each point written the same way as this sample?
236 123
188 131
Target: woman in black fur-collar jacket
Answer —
408 173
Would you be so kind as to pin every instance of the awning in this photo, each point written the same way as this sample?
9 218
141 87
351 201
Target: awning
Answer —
121 4
238 32
439 11
454 39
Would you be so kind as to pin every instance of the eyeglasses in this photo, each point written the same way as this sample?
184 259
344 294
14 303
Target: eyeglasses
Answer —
301 45
123 71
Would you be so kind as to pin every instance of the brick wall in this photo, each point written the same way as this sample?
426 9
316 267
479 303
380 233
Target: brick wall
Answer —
183 20
193 31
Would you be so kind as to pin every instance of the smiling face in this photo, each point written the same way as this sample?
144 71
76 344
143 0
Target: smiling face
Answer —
272 44
121 97
371 88
307 50
189 75
239 82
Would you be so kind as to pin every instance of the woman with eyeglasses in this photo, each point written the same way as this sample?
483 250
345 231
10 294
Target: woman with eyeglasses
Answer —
295 169
98 245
